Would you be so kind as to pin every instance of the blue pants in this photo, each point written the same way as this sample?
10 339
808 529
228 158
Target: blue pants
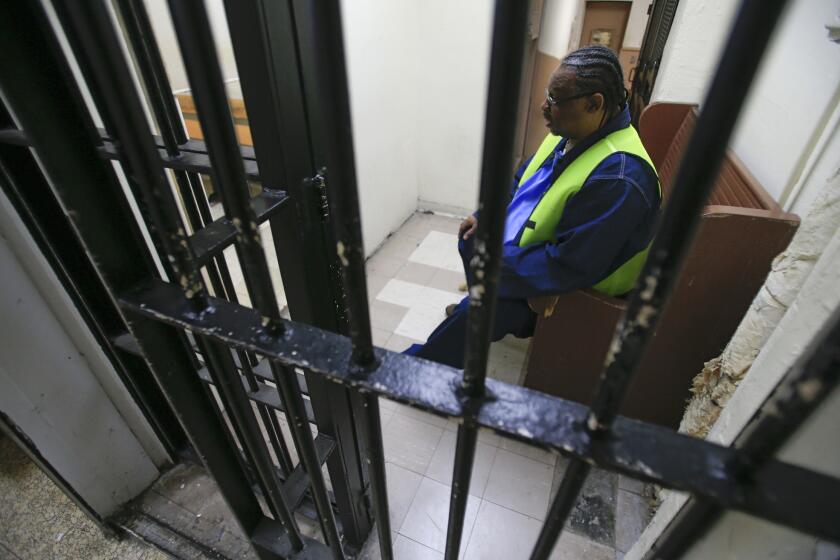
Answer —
446 343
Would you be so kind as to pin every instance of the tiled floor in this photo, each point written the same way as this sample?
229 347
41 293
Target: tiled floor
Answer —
411 279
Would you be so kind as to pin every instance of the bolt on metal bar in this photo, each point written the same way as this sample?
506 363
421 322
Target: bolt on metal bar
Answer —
804 388
509 22
742 54
334 104
198 48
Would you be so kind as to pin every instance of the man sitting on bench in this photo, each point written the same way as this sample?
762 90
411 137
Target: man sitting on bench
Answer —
583 208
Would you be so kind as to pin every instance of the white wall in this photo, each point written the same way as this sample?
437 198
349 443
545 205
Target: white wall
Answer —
635 31
380 45
557 24
453 59
167 41
794 94
58 387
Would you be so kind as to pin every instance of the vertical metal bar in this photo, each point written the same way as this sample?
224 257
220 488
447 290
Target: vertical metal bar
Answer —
221 367
198 48
331 78
91 25
742 53
272 69
507 51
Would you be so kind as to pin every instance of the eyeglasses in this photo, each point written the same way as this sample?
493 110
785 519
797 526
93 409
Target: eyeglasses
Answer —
554 102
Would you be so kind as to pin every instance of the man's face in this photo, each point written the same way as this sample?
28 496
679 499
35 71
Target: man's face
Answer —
568 113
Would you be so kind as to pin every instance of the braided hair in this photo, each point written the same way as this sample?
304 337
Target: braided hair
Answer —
597 69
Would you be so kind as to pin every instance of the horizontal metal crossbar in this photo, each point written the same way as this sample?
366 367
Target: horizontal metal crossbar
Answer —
197 162
637 449
211 240
193 153
265 394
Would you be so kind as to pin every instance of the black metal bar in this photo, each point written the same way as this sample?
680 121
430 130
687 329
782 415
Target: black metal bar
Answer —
91 25
331 79
509 23
741 56
561 506
264 394
210 241
198 46
341 181
195 162
228 381
636 449
465 444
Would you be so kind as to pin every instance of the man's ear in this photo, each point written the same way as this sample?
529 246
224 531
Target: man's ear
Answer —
595 102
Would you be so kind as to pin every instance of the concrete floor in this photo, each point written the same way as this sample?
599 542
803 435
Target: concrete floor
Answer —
38 522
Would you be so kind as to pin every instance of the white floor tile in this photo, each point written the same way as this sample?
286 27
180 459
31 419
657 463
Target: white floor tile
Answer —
410 443
402 487
501 534
407 549
383 265
386 316
411 412
484 435
443 461
520 484
529 451
398 343
428 516
439 250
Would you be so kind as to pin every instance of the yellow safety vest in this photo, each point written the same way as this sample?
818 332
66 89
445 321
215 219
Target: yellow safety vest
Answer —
546 215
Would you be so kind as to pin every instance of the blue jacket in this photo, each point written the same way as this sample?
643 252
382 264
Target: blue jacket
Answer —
610 219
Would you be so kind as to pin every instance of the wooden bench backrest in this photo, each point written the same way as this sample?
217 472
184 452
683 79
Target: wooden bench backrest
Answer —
665 129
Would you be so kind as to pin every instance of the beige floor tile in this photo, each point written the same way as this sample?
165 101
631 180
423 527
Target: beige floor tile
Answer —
383 265
443 461
520 484
417 273
427 518
399 343
448 280
380 336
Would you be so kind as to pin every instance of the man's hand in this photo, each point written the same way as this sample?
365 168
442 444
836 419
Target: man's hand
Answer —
467 227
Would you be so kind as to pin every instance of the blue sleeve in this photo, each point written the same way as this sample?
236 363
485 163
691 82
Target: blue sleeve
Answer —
610 211
515 183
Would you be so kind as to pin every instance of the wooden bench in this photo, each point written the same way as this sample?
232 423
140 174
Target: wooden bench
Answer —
741 230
